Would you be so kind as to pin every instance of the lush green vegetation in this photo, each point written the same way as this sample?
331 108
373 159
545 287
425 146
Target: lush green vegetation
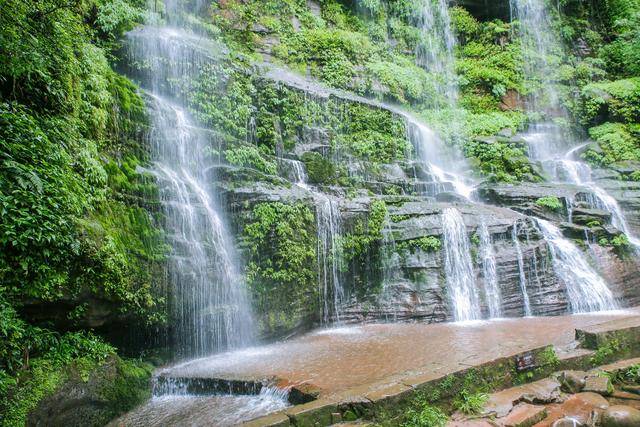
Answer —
79 228
281 243
75 231
551 203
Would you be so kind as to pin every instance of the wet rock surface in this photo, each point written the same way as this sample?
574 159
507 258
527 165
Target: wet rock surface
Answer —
336 360
621 416
557 402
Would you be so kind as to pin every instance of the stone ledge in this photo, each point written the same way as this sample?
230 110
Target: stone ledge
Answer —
626 331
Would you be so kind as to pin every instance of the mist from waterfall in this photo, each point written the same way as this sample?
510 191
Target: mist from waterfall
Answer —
208 298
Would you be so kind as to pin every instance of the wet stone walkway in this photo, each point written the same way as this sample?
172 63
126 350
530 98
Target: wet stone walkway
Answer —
335 360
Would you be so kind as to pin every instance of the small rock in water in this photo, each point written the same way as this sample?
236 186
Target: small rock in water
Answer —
621 416
598 384
572 381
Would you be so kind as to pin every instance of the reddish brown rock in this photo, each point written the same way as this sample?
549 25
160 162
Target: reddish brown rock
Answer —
470 423
543 391
524 415
621 416
511 101
580 407
598 384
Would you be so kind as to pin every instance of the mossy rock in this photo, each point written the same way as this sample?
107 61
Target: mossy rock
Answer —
93 395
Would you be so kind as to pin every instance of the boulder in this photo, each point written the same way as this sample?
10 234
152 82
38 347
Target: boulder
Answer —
621 416
592 399
94 398
572 381
524 415
598 384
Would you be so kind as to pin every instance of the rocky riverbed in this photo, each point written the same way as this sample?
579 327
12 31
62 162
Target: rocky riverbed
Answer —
608 396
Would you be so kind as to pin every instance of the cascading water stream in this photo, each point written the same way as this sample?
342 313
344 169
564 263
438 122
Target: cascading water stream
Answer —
492 293
566 168
432 153
435 50
586 290
328 226
459 267
208 297
522 277
328 251
539 44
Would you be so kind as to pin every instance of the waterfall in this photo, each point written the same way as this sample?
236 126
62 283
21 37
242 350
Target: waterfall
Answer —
391 265
491 289
435 157
328 226
607 203
539 43
299 174
329 252
208 297
461 284
586 290
522 276
579 173
435 50
565 168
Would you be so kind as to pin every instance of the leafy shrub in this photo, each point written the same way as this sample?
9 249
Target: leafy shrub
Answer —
616 141
500 161
470 403
550 202
374 134
427 244
427 416
615 101
281 271
605 352
319 169
250 156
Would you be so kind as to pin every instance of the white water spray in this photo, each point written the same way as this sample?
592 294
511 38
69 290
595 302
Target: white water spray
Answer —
208 296
522 276
492 293
586 290
459 268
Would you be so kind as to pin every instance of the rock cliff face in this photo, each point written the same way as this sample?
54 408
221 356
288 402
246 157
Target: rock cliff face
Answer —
337 210
392 272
